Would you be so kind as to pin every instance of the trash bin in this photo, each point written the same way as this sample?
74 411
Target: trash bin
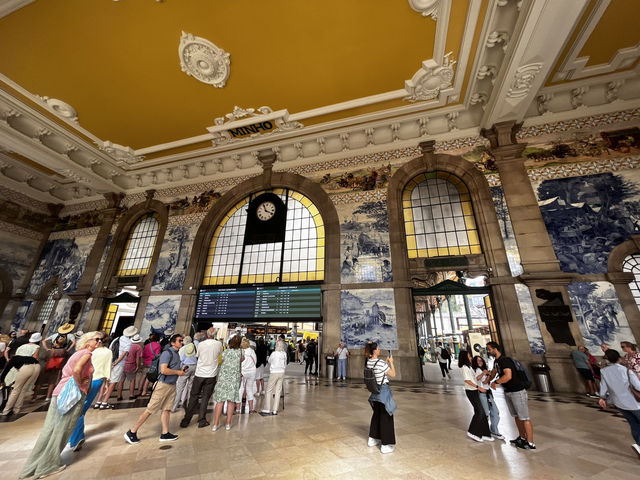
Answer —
542 377
331 366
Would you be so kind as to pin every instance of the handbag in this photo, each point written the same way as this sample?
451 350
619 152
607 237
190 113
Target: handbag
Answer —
634 392
69 396
54 363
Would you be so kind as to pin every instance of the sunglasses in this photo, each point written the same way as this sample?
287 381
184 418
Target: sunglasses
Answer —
99 340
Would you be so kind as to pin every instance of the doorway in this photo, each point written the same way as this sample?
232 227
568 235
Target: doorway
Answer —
119 313
456 312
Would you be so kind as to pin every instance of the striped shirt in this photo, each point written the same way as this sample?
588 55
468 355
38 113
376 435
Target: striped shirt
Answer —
380 368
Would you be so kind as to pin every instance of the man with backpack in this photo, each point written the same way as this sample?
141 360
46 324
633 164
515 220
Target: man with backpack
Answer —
515 381
443 360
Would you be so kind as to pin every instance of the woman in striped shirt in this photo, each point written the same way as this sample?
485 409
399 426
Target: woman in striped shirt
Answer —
381 429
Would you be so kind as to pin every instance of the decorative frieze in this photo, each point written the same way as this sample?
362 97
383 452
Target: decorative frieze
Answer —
81 232
21 231
355 197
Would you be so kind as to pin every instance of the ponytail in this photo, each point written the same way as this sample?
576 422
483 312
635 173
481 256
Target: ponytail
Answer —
369 348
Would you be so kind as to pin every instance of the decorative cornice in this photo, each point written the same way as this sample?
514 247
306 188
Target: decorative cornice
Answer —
24 200
356 197
428 82
428 8
80 232
21 231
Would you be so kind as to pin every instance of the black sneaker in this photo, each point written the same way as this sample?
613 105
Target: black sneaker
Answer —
526 445
131 437
184 423
517 441
168 437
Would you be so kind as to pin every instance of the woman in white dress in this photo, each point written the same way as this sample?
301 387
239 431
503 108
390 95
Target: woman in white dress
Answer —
248 382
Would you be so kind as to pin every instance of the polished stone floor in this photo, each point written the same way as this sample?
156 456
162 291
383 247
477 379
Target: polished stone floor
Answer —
322 434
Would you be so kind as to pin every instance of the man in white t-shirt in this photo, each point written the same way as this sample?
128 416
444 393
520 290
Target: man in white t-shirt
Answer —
205 379
443 359
342 353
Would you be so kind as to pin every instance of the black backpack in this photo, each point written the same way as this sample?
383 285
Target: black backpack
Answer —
370 378
523 374
444 354
115 349
153 373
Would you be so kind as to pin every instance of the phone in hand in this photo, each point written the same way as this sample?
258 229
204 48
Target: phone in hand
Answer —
185 368
390 354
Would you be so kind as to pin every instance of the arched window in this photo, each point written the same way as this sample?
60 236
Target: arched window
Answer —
438 216
632 264
141 243
46 310
299 258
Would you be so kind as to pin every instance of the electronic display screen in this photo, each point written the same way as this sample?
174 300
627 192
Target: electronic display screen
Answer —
293 301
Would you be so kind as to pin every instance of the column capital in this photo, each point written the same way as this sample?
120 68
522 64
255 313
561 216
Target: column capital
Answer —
113 199
504 144
427 147
549 279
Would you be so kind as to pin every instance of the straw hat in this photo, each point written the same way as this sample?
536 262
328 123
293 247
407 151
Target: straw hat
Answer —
190 350
130 331
136 338
66 328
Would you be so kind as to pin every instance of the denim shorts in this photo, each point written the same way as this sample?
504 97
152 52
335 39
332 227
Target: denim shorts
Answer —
517 404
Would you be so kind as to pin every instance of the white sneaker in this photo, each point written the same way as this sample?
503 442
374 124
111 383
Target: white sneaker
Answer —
215 427
227 426
487 439
474 437
372 442
387 448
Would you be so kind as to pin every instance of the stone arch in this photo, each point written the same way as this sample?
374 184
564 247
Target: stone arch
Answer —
312 190
621 280
108 285
492 261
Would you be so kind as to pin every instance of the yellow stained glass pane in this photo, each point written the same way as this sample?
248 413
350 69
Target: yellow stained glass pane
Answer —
320 231
294 277
476 249
464 197
320 242
311 276
411 242
470 222
466 208
412 253
422 252
408 215
279 191
473 237
320 264
406 195
465 250
409 230
303 276
443 252
286 277
319 252
406 204
432 252
313 210
454 251
319 275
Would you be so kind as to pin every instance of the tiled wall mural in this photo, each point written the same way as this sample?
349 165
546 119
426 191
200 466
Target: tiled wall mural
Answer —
160 315
83 315
369 315
527 308
364 242
599 315
63 258
587 217
103 258
16 256
22 313
199 203
60 316
174 257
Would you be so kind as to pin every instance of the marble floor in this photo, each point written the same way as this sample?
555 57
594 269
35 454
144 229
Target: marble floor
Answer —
322 434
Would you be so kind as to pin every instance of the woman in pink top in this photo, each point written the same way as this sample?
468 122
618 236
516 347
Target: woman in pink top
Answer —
150 350
45 456
132 364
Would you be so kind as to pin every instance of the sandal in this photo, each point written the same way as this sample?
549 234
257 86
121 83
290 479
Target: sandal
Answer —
106 406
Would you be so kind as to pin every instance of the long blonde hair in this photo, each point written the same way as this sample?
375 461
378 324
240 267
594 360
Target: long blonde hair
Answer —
85 338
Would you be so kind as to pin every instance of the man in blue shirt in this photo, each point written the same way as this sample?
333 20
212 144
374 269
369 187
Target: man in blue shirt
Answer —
164 392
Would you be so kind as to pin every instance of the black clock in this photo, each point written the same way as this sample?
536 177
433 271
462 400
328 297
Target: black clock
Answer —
266 220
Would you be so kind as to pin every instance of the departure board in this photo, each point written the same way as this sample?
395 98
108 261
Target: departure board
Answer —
294 301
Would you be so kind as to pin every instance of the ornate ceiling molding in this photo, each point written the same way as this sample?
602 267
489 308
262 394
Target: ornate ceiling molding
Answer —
60 108
250 122
431 80
428 8
523 80
204 61
574 67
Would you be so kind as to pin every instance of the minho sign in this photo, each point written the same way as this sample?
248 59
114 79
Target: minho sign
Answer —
247 131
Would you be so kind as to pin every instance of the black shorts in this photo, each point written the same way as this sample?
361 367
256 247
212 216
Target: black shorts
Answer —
586 374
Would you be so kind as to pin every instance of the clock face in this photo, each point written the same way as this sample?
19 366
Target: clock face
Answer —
265 211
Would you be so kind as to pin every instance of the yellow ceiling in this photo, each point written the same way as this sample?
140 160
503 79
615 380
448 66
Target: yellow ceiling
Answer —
117 63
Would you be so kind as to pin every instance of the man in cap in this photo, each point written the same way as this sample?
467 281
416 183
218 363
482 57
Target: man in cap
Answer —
117 368
205 378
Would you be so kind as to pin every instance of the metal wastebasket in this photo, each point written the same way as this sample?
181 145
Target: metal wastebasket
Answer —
542 377
330 362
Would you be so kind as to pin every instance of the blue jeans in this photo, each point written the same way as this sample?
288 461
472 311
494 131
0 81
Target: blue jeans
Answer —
491 410
633 417
342 367
78 432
